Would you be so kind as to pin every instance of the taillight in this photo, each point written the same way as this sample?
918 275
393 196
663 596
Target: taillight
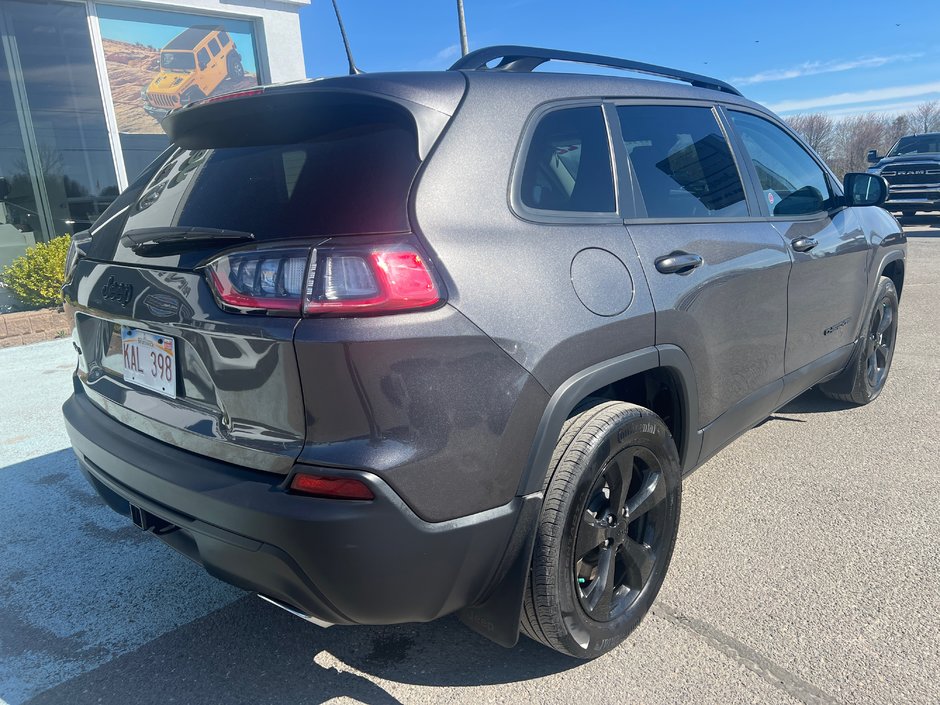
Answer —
338 280
331 487
260 280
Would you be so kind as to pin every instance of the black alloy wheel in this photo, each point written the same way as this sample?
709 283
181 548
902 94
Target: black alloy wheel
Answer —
607 529
864 377
621 537
880 343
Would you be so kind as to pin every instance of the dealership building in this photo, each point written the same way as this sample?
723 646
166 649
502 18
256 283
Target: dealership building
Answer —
84 84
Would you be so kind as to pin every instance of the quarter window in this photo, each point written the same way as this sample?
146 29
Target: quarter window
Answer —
792 182
681 162
567 167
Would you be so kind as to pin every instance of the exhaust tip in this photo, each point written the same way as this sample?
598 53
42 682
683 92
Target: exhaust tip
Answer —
295 612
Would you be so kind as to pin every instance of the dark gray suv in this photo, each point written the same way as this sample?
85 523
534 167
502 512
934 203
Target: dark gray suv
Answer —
386 347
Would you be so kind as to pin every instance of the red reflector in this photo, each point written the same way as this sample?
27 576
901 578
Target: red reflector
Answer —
332 487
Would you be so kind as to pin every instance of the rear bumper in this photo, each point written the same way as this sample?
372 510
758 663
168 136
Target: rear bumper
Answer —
341 562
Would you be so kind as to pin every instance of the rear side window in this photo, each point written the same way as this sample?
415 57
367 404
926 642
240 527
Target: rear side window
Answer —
567 166
792 181
681 162
203 57
353 176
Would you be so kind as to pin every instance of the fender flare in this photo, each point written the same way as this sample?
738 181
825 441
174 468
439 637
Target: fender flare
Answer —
497 615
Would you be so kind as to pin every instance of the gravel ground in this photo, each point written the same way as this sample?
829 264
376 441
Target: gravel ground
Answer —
806 571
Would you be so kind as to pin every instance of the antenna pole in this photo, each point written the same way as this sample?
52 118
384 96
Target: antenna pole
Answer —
353 71
462 21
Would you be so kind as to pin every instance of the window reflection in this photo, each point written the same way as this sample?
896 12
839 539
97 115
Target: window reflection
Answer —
64 108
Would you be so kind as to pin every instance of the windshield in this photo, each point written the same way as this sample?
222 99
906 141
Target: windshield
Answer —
921 144
177 61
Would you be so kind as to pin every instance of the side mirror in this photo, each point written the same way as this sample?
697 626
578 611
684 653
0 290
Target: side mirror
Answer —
865 190
873 157
4 188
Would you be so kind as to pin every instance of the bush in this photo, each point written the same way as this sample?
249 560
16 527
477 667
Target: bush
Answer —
37 277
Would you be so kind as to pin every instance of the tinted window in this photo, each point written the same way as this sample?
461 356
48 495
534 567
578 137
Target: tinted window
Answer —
682 162
922 144
214 47
352 177
793 183
567 167
223 37
203 58
177 61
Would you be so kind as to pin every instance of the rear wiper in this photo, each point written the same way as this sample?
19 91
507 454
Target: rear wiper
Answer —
174 237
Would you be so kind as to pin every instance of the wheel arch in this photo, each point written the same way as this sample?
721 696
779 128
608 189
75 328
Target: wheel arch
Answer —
497 615
609 374
893 268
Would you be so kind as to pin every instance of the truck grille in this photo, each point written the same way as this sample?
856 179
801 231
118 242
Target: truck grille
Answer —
162 100
912 173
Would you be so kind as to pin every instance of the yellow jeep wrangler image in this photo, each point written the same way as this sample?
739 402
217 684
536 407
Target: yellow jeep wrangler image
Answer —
192 66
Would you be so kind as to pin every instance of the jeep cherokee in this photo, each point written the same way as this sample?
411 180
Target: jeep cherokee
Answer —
386 347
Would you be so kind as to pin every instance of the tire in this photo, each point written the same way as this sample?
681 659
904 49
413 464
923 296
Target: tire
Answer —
191 96
574 603
863 379
236 71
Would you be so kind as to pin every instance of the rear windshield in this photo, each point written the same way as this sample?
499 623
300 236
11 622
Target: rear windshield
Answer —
354 179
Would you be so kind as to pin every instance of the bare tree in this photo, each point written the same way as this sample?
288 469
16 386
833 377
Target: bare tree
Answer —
926 116
897 127
817 129
854 136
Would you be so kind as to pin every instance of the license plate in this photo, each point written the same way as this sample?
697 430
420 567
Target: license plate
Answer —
149 360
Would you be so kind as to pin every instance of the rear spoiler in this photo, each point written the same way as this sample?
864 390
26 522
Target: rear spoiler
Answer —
289 113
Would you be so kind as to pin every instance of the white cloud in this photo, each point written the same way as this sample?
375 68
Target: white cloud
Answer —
876 108
812 68
441 60
855 97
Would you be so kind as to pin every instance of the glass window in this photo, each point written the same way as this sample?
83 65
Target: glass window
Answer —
151 65
919 144
349 173
203 57
567 167
682 162
66 167
793 183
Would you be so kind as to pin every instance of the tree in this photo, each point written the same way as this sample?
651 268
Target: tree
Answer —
926 116
854 136
817 129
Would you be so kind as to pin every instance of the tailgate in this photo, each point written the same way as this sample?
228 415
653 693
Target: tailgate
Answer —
238 396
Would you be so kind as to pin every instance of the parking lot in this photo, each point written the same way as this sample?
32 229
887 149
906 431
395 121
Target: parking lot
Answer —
807 570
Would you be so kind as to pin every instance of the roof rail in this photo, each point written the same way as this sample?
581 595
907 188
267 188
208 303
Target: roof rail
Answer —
524 59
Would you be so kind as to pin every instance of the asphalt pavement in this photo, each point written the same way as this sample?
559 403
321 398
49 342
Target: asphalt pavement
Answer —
807 570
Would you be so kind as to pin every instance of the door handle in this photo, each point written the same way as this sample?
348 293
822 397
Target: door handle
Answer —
678 263
803 244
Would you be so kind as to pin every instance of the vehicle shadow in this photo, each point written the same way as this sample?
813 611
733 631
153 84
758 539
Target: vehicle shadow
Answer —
253 652
812 402
104 613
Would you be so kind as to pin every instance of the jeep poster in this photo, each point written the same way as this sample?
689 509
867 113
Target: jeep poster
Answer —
158 61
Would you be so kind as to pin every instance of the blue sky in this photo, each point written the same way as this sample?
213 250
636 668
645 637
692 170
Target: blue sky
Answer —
837 57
